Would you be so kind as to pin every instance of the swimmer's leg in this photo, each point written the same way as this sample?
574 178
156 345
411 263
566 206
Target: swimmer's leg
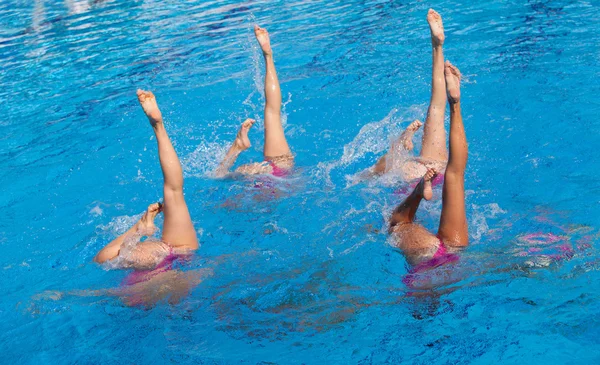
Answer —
171 286
275 143
178 229
144 227
434 135
403 143
453 228
59 295
239 145
405 212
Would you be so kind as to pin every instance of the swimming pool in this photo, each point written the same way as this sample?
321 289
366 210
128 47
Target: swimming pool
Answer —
309 277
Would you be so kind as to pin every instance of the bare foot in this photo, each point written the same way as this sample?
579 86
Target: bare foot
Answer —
146 223
148 103
436 27
427 190
452 75
262 36
409 132
241 140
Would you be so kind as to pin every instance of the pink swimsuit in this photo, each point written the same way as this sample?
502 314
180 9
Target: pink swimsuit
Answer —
139 276
268 183
438 180
278 171
441 257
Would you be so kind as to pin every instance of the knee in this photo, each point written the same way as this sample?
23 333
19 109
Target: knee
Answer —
100 258
454 175
398 218
172 191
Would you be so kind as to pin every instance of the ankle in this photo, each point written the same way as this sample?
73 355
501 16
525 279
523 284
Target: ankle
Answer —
157 125
236 149
436 44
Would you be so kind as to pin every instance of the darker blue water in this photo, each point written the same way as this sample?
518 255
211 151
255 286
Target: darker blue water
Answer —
309 277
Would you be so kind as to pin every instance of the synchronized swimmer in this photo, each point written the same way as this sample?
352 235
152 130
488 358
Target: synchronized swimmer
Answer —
423 250
178 234
434 153
278 158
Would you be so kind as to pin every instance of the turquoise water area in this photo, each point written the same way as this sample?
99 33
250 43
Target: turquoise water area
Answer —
308 277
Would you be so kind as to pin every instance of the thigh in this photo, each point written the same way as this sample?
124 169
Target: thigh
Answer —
453 228
433 145
178 229
412 169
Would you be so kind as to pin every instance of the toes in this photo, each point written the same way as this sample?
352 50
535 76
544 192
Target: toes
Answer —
449 69
155 208
455 71
248 123
430 174
258 30
144 95
434 14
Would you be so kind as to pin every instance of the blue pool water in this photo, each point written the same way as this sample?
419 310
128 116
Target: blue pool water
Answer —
309 277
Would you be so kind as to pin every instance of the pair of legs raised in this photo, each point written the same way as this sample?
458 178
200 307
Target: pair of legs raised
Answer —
178 230
433 148
414 240
276 151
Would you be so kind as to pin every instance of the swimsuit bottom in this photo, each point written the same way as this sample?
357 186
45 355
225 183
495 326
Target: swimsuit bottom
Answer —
276 163
441 257
139 276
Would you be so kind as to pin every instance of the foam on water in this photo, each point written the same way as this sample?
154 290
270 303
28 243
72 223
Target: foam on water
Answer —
374 139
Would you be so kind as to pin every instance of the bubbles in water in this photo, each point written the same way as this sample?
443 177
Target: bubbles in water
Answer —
97 211
205 159
374 138
478 225
119 225
284 115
